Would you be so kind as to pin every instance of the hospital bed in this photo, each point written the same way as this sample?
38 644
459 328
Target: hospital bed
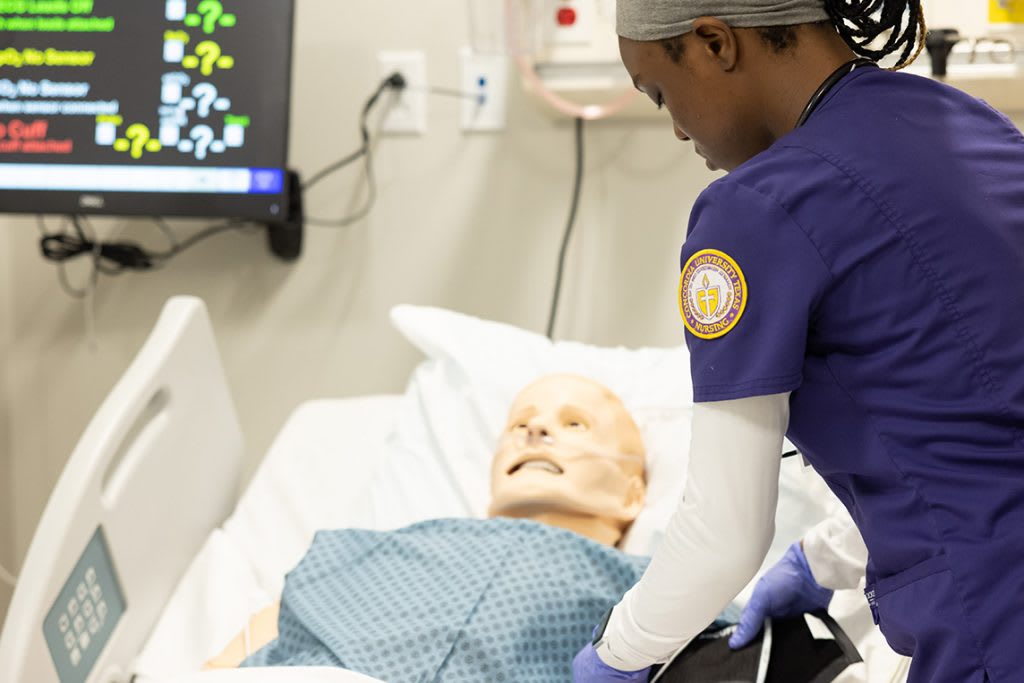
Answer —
147 561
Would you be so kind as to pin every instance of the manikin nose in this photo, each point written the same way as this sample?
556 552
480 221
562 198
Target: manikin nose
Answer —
536 433
679 134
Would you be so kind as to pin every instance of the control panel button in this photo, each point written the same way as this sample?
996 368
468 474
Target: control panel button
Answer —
84 614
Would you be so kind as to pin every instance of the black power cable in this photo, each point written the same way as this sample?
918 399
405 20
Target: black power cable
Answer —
573 208
395 81
188 243
365 152
113 258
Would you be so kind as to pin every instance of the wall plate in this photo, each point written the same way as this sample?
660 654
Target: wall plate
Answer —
407 109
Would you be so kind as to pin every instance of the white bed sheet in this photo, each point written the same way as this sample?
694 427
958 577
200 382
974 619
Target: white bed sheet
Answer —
311 478
316 476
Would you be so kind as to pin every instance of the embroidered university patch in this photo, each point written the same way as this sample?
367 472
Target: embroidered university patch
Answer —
712 294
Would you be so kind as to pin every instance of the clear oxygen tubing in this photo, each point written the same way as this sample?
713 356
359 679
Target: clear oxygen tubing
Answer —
514 22
562 449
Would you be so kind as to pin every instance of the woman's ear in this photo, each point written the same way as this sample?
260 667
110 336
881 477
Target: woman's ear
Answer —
717 41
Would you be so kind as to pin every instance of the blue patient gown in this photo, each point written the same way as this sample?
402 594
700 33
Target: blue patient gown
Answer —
448 600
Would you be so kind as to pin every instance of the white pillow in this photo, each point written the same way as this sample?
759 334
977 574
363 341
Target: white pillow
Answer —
456 403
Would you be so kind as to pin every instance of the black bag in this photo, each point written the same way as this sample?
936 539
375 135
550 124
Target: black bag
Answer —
785 651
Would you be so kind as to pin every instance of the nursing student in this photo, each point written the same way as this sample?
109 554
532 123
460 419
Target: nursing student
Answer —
854 282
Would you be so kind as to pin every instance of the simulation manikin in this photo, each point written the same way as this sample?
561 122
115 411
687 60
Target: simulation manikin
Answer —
516 593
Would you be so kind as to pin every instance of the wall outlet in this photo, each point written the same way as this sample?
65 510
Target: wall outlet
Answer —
408 108
484 83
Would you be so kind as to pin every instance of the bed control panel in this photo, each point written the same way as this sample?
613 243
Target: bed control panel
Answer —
80 623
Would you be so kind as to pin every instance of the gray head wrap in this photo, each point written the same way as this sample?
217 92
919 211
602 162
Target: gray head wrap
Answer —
658 19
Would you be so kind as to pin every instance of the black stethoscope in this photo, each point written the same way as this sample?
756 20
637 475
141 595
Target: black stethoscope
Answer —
815 100
830 83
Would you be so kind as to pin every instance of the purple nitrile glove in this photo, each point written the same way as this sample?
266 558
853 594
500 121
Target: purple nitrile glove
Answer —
786 590
587 667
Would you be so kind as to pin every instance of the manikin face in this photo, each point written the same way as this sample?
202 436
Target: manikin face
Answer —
569 448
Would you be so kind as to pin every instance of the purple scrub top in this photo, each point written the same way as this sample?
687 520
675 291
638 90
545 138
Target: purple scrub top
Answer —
872 263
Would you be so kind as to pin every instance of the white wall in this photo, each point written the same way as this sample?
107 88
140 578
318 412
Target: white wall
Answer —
467 222
6 499
970 17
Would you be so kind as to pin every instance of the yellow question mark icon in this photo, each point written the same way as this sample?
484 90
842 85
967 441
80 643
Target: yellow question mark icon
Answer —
137 140
208 53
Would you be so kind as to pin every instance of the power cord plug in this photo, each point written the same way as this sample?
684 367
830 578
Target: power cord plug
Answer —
396 81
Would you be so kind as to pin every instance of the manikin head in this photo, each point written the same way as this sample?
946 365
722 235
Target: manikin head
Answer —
571 456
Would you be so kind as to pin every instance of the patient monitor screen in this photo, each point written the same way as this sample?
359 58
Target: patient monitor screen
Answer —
144 106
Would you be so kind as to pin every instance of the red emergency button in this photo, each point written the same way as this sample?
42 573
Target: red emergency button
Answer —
566 16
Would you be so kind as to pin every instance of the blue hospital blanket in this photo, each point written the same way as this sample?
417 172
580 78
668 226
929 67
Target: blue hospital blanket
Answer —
449 600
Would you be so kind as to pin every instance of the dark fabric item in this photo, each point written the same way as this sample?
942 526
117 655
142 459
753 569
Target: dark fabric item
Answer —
795 656
942 649
708 659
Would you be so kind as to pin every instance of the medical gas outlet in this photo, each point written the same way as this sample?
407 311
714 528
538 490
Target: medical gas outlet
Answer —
484 88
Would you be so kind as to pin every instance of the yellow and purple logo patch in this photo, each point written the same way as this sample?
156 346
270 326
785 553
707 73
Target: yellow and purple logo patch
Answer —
712 294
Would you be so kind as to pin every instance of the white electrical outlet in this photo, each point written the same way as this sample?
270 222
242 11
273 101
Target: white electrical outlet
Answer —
408 108
484 78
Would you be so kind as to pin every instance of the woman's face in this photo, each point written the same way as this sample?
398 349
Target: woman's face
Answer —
702 92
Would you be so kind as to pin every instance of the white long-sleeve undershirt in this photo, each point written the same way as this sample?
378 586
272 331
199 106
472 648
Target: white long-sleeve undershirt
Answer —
836 552
717 538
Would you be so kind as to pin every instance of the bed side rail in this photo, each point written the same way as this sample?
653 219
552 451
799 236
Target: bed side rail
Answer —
154 472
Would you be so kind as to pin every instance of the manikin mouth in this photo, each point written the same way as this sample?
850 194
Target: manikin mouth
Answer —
536 464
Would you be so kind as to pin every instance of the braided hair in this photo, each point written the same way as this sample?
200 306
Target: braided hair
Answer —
856 22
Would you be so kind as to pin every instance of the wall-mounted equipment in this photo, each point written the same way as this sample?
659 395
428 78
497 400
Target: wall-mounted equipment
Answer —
568 56
157 108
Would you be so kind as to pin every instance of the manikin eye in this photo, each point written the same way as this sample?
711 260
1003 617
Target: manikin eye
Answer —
577 425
